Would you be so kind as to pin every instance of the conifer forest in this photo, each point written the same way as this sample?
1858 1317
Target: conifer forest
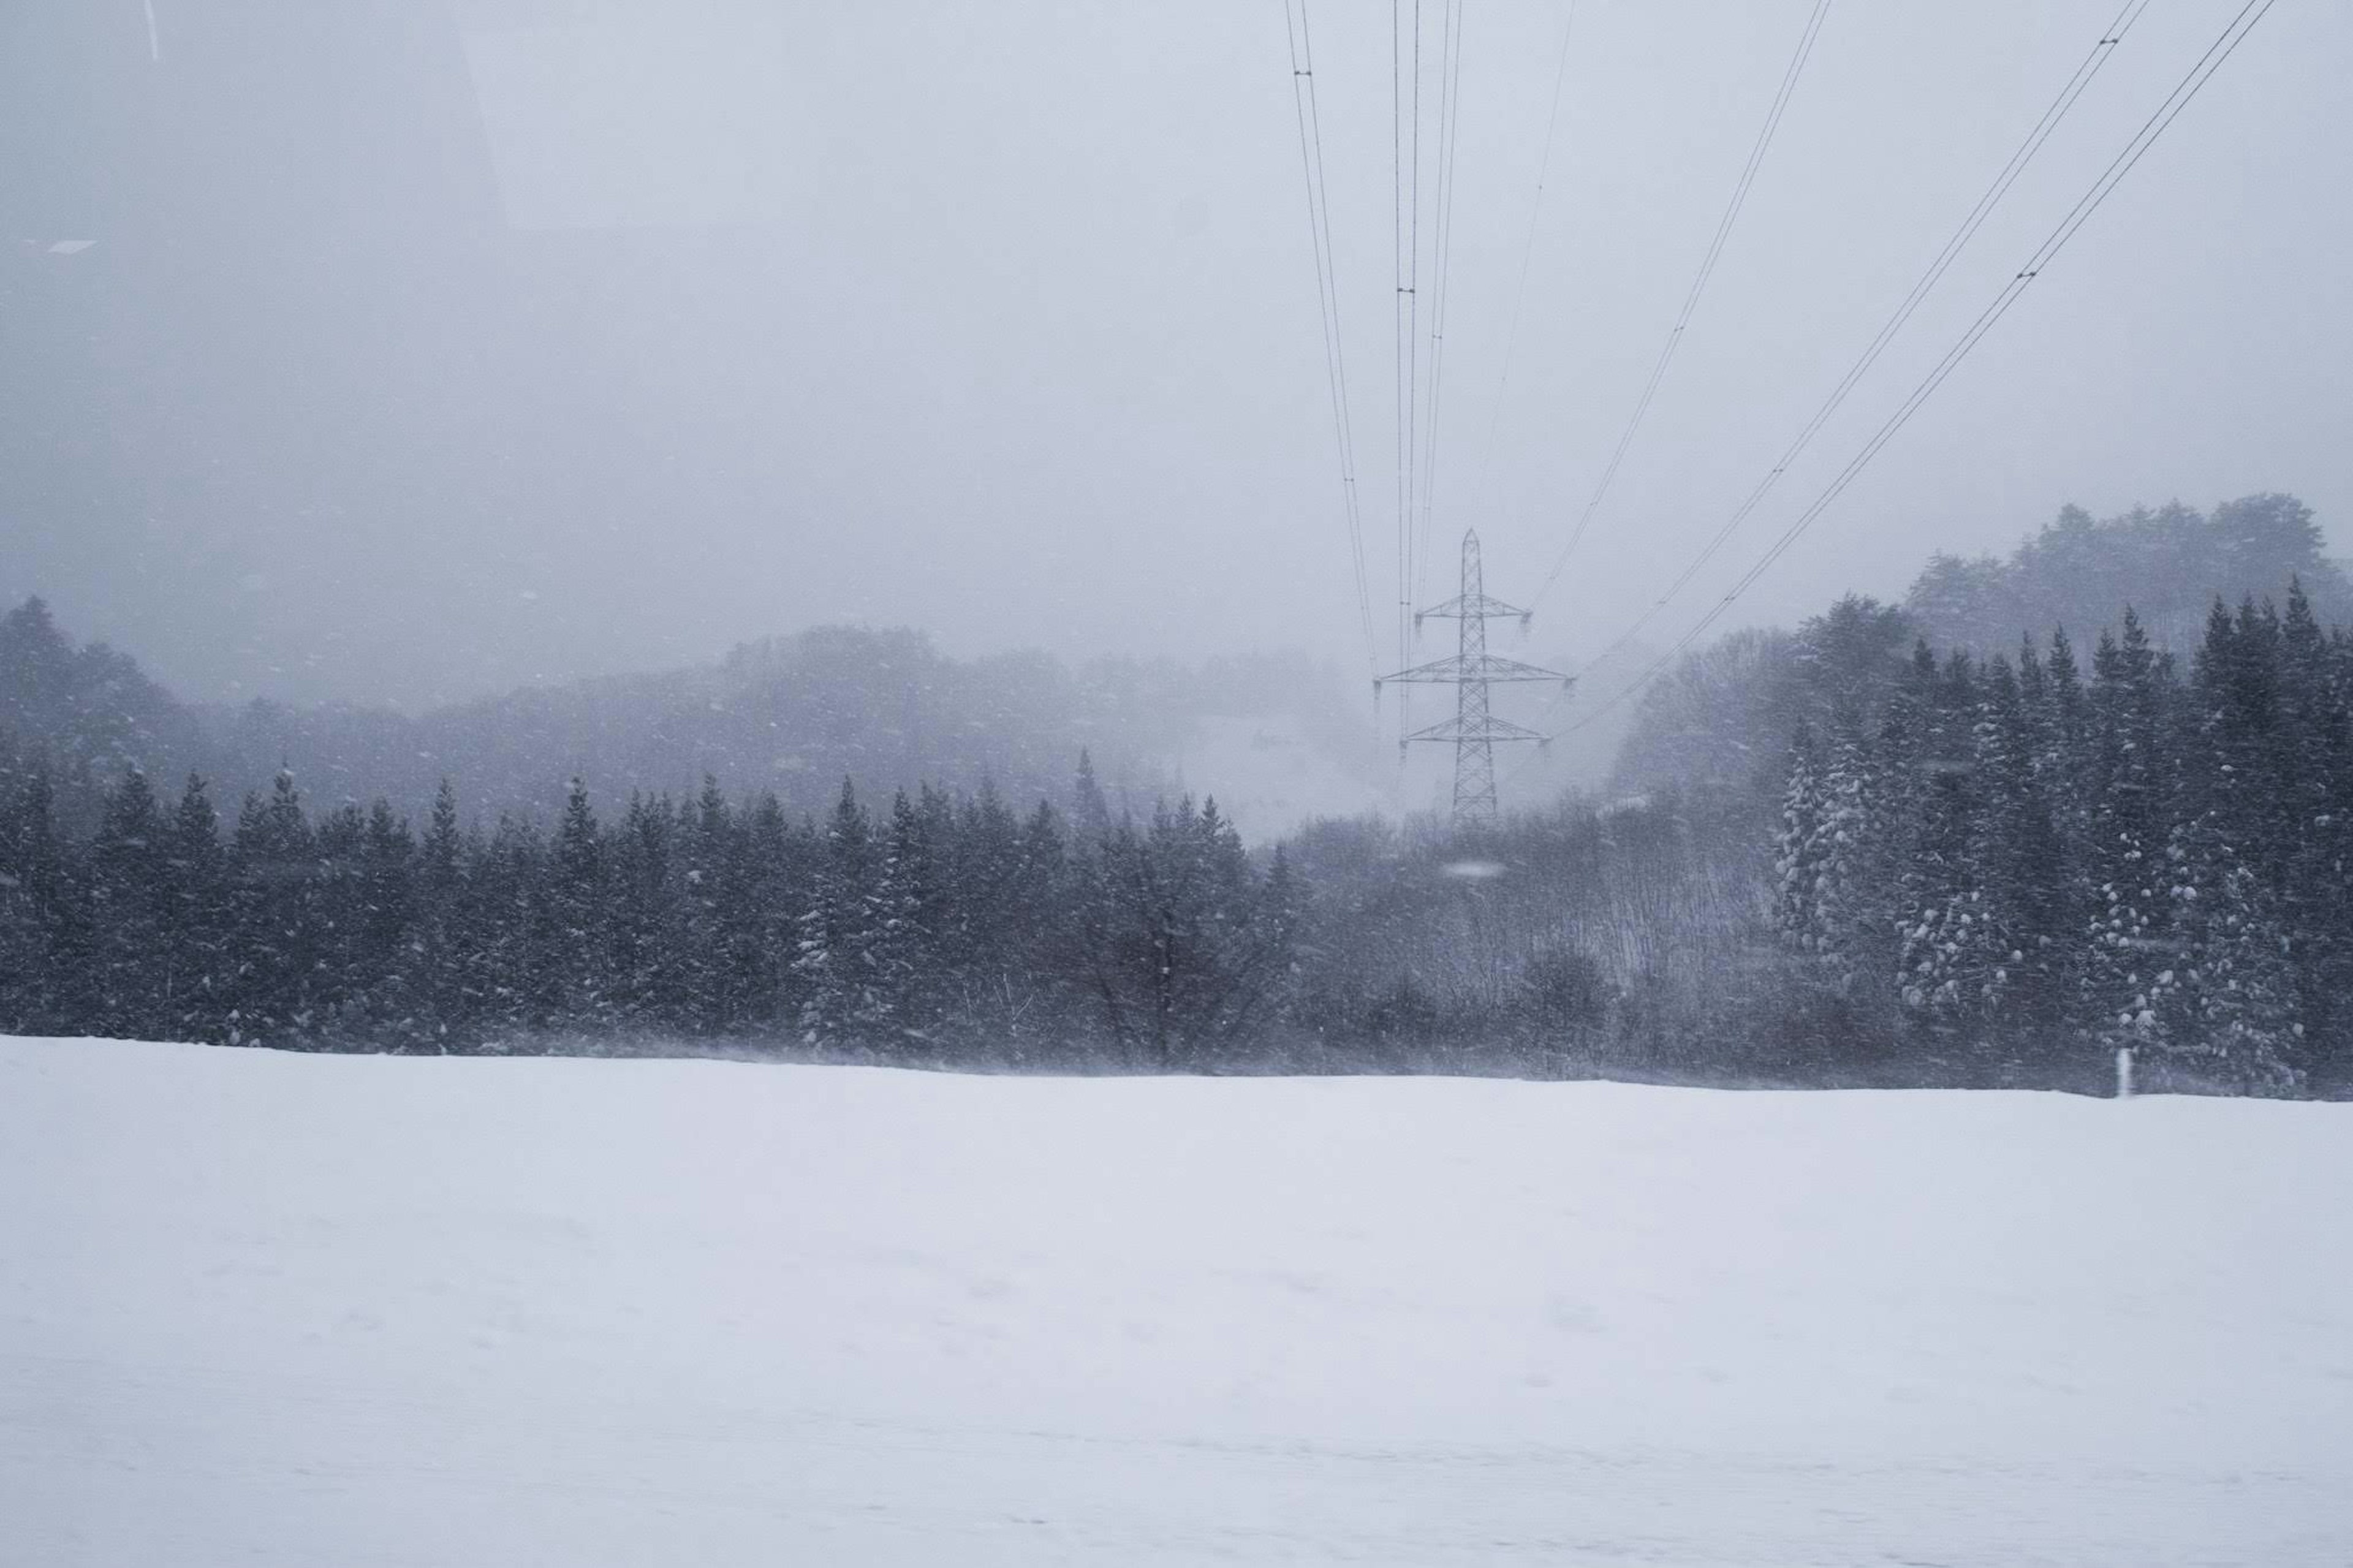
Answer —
1964 865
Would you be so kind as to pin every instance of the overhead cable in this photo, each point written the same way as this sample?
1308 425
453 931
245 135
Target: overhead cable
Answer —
1527 253
1691 296
2088 67
1319 226
2225 44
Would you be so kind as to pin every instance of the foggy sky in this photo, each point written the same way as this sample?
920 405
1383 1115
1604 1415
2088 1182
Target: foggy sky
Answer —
422 353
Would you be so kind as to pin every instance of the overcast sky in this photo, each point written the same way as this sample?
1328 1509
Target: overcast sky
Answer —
420 354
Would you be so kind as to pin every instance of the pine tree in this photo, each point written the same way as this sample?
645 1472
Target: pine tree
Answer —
574 930
1851 919
893 941
776 867
2233 1006
837 931
127 895
1801 848
35 891
2129 974
277 954
1955 954
388 968
1090 819
2029 849
444 900
506 943
196 940
707 852
644 914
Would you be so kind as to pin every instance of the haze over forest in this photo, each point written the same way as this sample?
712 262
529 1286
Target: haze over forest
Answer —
422 352
539 494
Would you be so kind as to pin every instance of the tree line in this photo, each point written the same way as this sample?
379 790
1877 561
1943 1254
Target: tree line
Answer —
1922 870
941 929
2027 864
2168 561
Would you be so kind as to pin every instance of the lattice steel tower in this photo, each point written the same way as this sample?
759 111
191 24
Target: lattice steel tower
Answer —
1473 729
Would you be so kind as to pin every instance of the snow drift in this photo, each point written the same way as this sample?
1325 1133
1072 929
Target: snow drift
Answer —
259 1307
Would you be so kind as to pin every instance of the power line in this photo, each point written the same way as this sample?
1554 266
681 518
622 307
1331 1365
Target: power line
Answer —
2225 44
1450 110
1699 286
2093 60
1527 253
1319 225
1412 325
1404 165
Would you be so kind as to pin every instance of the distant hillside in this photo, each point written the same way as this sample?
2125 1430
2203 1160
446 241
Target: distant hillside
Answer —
87 704
1721 720
86 712
2168 564
792 714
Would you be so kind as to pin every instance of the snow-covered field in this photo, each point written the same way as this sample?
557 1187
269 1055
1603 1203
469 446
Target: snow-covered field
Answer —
280 1309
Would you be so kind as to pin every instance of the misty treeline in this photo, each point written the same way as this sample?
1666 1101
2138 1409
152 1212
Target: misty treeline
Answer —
1719 722
791 714
1831 856
2169 562
2020 864
934 931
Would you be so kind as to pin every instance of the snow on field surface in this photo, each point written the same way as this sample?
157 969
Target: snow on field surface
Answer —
283 1309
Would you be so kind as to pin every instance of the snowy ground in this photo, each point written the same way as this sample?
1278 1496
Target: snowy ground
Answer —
277 1309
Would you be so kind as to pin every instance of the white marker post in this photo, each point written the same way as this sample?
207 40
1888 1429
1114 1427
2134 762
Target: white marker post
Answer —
2124 1072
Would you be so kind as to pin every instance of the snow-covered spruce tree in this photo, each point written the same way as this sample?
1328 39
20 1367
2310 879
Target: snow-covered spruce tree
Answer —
769 871
647 914
1800 849
696 947
34 891
444 891
2021 864
2129 963
1828 907
1039 979
2063 763
574 935
838 1004
390 970
196 936
339 913
2232 1013
490 931
277 954
126 888
1955 954
894 952
2311 757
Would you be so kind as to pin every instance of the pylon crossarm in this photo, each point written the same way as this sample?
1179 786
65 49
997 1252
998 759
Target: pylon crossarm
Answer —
1458 669
1474 606
1489 729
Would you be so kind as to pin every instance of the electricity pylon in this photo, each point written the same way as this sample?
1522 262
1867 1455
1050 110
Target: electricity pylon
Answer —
1473 729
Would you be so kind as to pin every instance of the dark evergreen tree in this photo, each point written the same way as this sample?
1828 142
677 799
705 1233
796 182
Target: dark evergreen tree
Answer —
2130 975
38 932
836 963
277 947
126 908
196 936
